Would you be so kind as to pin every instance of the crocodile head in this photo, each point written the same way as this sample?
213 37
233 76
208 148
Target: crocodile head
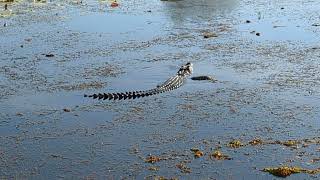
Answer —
186 69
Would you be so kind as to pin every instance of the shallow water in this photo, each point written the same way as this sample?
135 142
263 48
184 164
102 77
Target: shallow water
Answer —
268 88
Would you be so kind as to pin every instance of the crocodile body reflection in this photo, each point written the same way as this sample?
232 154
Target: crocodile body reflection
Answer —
181 11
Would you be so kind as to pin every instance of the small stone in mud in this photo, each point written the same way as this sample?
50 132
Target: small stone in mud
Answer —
66 110
209 35
19 114
5 25
248 21
49 55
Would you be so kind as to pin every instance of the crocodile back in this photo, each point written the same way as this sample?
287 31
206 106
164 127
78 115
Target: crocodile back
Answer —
172 83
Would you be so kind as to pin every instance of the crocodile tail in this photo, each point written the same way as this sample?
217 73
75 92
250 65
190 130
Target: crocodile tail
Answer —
119 96
171 84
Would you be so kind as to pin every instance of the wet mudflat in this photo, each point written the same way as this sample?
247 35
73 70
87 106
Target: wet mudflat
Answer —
262 113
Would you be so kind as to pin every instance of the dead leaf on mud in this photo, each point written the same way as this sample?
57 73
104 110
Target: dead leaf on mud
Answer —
219 156
285 171
152 159
197 152
235 144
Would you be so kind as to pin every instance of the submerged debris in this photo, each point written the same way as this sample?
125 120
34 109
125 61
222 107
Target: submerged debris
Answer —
285 171
66 110
19 114
183 168
204 78
49 55
209 35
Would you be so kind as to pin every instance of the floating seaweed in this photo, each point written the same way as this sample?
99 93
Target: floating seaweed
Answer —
152 159
219 156
197 152
235 144
285 171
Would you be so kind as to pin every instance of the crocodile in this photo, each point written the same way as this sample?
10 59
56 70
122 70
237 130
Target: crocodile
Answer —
172 83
